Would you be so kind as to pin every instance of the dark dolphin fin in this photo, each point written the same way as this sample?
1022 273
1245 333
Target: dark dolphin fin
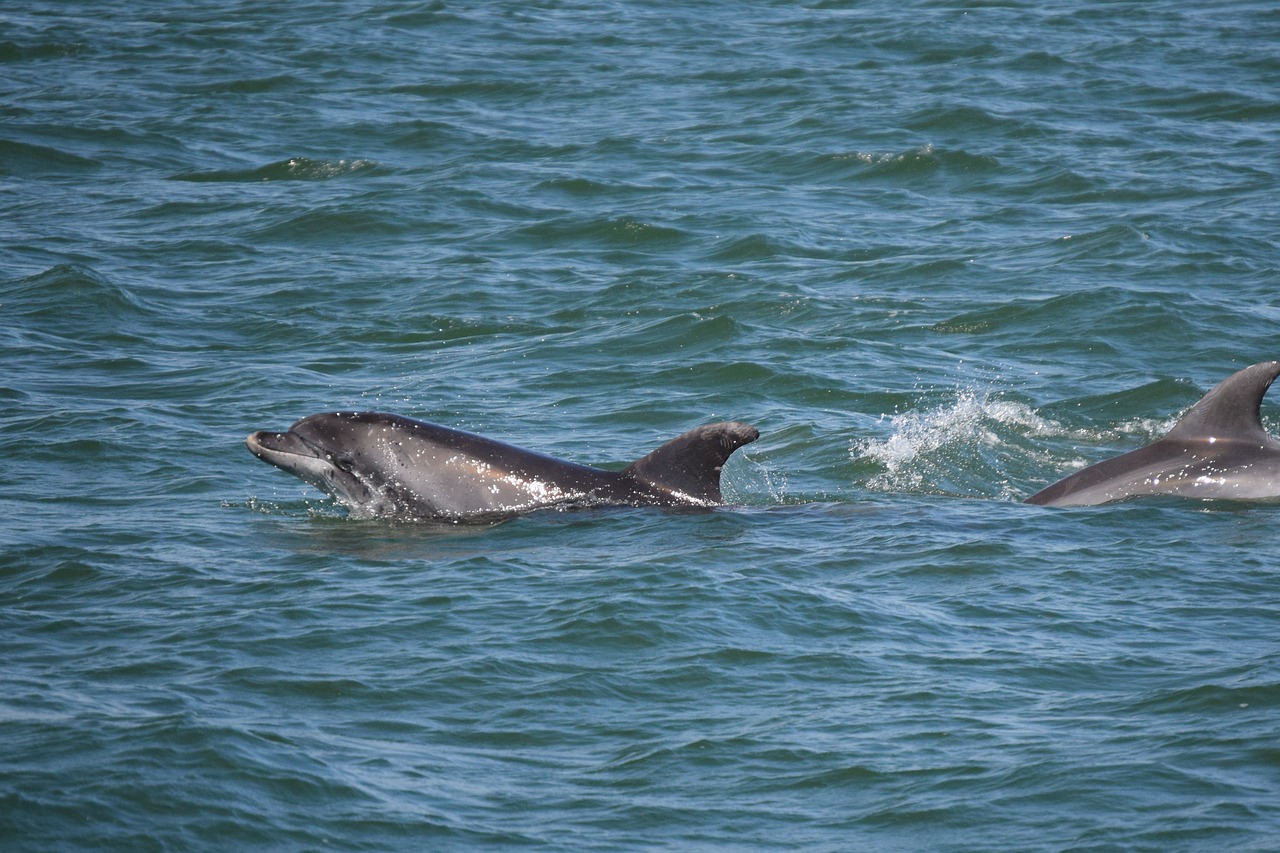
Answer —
1232 409
688 467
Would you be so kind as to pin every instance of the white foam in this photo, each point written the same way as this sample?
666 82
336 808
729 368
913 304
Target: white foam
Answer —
957 441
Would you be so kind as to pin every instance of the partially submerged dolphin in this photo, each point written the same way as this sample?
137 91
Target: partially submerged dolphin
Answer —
387 466
1218 450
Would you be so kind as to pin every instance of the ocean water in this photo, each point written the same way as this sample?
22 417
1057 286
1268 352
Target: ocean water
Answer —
940 253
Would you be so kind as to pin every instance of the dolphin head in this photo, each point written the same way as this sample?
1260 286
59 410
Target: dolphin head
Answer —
338 453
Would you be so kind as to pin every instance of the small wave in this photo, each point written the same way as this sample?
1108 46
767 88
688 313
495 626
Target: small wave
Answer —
625 231
11 51
25 159
68 291
752 247
293 169
346 221
967 118
926 158
919 162
473 88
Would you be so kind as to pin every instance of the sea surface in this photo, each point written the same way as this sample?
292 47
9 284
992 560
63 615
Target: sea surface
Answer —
940 253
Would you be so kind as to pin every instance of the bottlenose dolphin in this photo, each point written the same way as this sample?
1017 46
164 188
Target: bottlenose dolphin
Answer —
387 466
1218 450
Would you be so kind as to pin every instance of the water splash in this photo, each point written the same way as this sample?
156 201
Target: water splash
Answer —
964 447
750 482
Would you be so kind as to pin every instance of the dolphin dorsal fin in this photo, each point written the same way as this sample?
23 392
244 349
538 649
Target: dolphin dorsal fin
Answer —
1232 409
689 466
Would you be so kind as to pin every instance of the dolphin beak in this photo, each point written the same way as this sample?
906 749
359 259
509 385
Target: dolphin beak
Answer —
254 443
274 446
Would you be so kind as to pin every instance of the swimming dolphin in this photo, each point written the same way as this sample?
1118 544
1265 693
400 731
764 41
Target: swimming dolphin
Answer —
1218 450
387 466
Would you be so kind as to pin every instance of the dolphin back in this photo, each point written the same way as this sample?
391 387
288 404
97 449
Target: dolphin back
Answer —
1218 449
687 468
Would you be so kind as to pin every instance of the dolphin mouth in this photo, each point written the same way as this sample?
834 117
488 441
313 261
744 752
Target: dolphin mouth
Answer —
312 464
276 447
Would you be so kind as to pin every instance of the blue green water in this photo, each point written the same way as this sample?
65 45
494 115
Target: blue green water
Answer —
940 253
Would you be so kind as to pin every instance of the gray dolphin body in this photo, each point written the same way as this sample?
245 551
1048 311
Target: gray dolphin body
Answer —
387 466
1219 450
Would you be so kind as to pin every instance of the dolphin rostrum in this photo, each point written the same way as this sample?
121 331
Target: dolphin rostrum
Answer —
1219 450
387 466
